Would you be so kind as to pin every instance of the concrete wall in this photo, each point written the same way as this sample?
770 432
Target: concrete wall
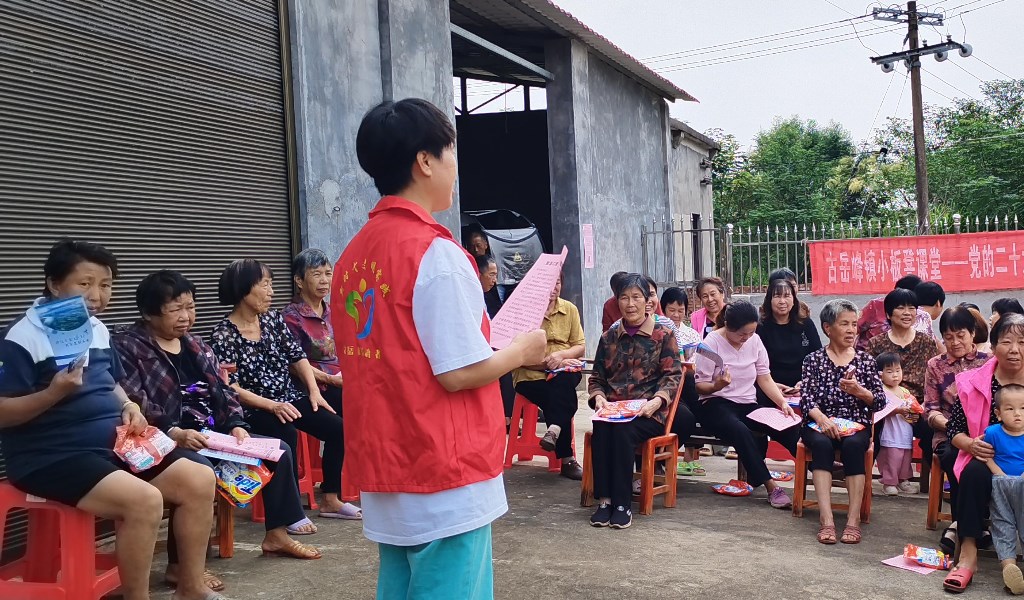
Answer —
688 197
815 303
607 138
347 56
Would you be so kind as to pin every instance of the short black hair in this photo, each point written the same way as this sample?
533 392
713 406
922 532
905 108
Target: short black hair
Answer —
633 280
781 273
616 279
66 254
393 133
482 262
775 288
928 293
897 298
310 258
674 294
157 289
1006 306
956 319
1010 388
1007 323
908 282
887 359
651 282
737 314
239 278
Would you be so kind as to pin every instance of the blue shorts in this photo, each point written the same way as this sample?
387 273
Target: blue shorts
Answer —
453 567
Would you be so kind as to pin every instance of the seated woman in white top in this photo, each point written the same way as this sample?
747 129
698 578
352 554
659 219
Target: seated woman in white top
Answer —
728 395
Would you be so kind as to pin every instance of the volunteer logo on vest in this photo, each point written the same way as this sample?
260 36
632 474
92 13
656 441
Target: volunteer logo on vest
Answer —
361 301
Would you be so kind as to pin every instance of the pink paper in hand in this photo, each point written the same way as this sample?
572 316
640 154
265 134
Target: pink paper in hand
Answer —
774 418
524 310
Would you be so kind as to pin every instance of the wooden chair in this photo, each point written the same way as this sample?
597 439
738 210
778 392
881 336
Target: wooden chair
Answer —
224 538
660 449
935 495
803 462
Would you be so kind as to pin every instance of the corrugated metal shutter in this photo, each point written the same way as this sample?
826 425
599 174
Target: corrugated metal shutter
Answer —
155 128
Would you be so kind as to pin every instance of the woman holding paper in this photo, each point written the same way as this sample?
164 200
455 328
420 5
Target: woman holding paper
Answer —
728 395
636 359
176 379
58 427
839 382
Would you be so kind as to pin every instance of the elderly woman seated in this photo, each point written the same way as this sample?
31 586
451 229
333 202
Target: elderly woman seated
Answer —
266 355
176 378
636 359
58 427
839 381
309 319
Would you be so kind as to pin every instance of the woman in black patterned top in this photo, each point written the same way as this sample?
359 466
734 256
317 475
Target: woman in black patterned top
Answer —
839 381
266 357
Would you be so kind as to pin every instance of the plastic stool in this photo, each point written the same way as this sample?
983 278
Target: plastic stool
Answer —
61 561
525 443
305 481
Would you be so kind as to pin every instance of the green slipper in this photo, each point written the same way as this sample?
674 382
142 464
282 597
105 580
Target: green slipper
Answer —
684 468
697 469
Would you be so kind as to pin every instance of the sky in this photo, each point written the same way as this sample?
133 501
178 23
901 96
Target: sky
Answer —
835 81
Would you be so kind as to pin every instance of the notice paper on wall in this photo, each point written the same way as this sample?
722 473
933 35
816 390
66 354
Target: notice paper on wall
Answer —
524 310
588 246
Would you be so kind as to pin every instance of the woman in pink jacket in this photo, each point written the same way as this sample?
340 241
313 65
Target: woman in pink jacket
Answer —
971 414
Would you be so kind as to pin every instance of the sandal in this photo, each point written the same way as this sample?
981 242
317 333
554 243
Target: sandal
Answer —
295 549
698 469
851 535
827 535
347 511
957 580
296 527
705 451
212 581
948 540
731 454
684 468
210 595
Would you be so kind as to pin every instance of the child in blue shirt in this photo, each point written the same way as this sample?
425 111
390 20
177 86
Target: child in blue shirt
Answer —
1007 440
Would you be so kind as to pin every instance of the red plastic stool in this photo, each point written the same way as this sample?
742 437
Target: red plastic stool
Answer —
305 480
61 561
526 443
316 461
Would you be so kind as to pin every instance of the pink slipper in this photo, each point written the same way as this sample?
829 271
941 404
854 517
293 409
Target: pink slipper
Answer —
347 511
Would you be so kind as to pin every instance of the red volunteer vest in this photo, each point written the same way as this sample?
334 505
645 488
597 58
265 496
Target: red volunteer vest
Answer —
403 431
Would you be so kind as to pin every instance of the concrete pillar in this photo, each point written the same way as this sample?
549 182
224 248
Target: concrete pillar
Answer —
347 56
570 163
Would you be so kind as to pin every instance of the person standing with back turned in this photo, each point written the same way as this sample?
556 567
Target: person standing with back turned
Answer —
423 417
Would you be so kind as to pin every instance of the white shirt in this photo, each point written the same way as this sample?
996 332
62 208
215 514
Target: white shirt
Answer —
447 308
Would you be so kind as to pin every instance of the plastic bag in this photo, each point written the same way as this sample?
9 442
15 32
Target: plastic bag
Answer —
734 488
240 483
927 557
141 452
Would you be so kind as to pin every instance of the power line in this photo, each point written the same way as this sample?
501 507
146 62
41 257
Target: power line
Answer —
1003 73
884 96
780 50
763 37
866 47
946 82
964 12
957 65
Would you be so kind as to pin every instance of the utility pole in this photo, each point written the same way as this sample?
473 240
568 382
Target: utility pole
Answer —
920 152
912 60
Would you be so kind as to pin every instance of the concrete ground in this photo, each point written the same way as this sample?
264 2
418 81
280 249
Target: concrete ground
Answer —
709 546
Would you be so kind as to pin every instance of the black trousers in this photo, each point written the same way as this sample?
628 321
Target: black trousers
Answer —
281 502
973 499
321 424
728 421
923 432
852 449
685 423
508 393
612 447
557 398
947 454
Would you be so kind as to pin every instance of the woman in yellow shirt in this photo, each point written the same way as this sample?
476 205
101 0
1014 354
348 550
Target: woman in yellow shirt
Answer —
555 391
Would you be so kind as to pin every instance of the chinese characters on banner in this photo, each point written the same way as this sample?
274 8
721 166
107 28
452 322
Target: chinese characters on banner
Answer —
964 262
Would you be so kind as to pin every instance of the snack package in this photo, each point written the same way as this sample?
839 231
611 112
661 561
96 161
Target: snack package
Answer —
915 406
846 426
735 487
927 557
240 483
143 451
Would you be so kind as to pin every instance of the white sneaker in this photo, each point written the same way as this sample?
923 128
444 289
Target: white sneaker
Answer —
636 486
891 490
909 487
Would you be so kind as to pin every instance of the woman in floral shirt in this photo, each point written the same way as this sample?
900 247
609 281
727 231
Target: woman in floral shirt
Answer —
636 359
839 381
256 340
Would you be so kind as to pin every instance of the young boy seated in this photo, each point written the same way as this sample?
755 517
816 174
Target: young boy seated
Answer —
1007 440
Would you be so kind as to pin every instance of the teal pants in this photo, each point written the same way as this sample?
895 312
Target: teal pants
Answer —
457 567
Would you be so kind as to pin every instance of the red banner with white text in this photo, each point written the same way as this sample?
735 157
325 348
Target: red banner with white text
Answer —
960 262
